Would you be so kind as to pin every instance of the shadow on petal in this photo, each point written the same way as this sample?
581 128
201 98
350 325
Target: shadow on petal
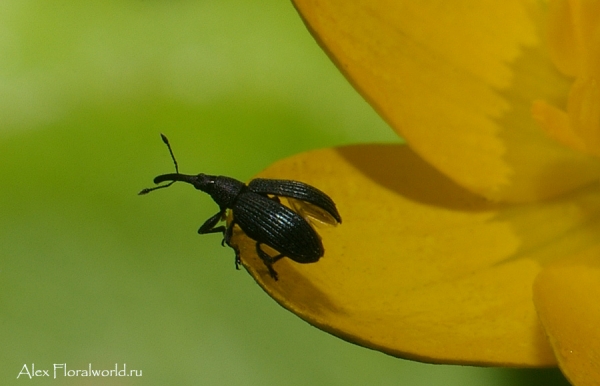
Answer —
392 166
308 298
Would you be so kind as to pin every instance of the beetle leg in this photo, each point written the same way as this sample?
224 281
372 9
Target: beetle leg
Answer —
238 261
228 233
268 260
209 225
226 238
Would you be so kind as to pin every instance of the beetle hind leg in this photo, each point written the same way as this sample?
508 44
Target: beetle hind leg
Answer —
268 260
227 234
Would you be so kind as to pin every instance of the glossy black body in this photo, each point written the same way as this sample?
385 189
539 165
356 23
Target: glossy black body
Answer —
273 224
257 210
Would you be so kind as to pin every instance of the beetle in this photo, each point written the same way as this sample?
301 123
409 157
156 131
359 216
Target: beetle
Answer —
258 211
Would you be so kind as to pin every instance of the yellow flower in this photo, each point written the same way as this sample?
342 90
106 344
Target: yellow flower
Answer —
478 242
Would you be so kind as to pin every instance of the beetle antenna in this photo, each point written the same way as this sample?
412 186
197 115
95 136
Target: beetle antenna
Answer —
166 141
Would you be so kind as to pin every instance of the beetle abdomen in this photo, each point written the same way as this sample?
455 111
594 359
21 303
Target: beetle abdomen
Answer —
277 226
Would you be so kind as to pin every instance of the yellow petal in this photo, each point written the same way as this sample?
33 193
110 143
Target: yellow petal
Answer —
573 36
458 81
421 268
574 44
566 296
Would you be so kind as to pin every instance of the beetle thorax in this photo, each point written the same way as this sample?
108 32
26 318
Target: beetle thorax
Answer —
224 190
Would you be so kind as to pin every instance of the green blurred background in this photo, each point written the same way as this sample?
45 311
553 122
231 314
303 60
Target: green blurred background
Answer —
92 273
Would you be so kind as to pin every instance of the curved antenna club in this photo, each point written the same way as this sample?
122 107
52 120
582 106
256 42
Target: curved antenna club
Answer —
166 141
148 190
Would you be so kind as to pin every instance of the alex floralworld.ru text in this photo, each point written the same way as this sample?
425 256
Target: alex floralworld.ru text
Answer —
61 369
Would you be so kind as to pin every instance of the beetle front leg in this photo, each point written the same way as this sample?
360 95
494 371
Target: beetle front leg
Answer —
268 260
209 225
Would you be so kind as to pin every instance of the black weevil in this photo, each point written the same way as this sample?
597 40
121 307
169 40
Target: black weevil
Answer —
257 210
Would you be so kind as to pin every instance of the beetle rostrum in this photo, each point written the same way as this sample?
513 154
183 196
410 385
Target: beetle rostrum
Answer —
257 210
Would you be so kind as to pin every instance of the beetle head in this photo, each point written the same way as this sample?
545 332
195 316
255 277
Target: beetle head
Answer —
223 190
